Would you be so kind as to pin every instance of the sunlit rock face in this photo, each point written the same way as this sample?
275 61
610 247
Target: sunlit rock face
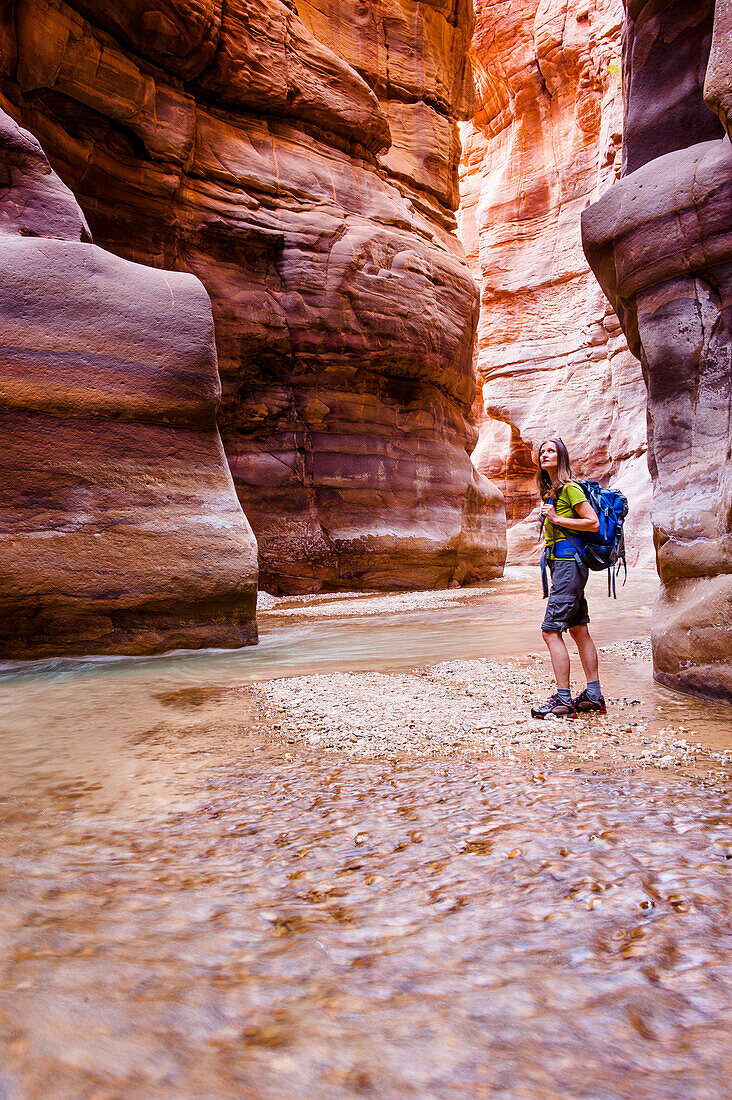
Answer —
120 527
545 140
303 164
661 244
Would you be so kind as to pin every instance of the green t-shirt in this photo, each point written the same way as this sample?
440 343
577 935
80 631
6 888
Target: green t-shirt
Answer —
569 497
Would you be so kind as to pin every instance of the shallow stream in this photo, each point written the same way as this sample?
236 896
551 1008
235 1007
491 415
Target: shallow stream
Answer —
69 719
192 909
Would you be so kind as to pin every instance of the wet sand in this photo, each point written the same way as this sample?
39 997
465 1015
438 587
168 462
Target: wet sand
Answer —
283 888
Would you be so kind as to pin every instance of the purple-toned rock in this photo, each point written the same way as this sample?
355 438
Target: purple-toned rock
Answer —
120 530
660 242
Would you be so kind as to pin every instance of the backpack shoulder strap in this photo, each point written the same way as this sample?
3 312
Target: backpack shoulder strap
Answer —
571 536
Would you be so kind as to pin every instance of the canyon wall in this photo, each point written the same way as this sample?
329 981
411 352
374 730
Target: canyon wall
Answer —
661 244
303 164
551 356
120 530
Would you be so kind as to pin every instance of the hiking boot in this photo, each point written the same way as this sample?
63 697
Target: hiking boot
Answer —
554 706
583 704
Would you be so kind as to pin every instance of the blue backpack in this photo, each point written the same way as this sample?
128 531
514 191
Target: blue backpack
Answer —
605 548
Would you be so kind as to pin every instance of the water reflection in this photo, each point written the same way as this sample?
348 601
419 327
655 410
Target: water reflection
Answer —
392 929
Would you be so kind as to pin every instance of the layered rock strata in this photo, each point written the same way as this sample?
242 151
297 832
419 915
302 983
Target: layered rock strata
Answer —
545 140
120 530
660 243
304 166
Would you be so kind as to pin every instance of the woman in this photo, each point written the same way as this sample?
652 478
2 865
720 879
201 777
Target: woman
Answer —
566 514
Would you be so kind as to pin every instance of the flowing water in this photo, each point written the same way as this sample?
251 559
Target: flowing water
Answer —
191 909
72 720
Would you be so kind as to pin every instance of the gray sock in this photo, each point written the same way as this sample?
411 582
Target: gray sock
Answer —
565 695
593 690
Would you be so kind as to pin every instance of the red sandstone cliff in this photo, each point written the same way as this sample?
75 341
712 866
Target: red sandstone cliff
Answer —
121 531
661 244
544 141
304 166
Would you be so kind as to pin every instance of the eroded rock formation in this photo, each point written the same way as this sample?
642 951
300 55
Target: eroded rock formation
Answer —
120 527
304 166
661 244
544 141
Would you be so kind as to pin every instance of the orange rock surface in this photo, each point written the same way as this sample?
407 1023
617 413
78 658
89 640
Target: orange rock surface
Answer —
551 357
121 531
304 166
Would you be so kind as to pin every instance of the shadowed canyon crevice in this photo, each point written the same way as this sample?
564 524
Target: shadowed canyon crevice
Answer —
660 243
304 167
551 356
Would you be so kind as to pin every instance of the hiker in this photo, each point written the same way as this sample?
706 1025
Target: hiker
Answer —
566 512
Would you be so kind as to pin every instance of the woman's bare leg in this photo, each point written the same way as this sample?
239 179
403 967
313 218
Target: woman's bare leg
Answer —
559 657
587 651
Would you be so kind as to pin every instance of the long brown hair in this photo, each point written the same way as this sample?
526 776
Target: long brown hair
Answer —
547 488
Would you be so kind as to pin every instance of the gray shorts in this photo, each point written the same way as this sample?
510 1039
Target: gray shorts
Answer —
567 605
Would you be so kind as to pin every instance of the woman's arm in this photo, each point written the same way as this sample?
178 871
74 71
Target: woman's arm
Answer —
586 518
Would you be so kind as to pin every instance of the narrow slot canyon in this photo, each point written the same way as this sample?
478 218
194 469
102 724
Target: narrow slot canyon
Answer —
291 292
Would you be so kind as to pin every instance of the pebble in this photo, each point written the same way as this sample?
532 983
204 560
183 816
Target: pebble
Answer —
459 707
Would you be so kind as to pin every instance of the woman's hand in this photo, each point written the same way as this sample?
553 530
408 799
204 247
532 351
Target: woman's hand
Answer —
586 519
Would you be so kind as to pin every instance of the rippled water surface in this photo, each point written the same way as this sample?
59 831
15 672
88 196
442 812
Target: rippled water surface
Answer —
190 909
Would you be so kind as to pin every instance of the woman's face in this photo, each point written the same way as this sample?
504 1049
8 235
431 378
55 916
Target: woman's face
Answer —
548 457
